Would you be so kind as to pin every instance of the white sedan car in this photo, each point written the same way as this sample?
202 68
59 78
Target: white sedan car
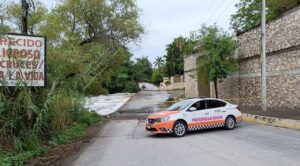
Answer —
194 114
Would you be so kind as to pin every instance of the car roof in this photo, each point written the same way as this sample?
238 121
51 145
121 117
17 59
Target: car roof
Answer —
201 98
193 99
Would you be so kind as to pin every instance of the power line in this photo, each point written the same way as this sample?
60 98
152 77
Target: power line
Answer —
225 9
205 13
209 18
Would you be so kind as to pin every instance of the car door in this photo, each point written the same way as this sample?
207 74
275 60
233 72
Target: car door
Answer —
223 109
217 109
198 118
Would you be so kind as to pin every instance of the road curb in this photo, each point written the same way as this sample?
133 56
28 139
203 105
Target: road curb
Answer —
272 121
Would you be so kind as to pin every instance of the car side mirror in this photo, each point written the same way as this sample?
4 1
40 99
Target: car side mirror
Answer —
192 109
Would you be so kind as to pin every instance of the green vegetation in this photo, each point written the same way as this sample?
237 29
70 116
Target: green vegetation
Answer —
20 158
218 49
248 14
216 45
142 70
156 77
126 78
175 55
172 63
86 55
65 136
159 71
159 64
131 87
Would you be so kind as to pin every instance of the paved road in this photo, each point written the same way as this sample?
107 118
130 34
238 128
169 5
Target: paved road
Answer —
125 142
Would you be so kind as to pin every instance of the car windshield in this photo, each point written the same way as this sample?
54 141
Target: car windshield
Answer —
180 105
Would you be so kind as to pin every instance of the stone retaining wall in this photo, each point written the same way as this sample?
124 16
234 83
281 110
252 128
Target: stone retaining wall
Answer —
283 65
281 34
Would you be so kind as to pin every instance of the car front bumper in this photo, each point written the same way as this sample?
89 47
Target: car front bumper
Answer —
160 127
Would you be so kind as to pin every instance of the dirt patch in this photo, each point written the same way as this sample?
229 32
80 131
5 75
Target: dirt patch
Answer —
57 154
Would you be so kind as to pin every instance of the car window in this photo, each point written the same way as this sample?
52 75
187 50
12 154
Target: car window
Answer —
222 104
199 105
215 104
180 105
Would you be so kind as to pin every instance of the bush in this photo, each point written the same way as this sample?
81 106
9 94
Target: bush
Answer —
22 117
20 158
31 142
156 78
68 135
132 87
96 89
88 118
63 106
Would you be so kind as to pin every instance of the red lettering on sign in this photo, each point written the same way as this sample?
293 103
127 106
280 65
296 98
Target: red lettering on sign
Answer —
1 75
23 53
2 64
18 76
3 41
20 42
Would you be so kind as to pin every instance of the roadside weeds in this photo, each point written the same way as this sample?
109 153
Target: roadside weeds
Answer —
56 155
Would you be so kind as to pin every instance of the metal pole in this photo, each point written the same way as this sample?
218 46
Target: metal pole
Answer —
25 8
263 58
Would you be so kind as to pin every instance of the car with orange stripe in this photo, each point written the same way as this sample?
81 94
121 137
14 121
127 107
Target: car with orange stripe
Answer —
194 114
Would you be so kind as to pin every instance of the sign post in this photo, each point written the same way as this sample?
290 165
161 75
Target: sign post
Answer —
22 60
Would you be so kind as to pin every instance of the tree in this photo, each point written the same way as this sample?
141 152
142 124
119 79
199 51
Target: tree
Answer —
89 37
159 63
3 18
218 49
248 14
142 70
174 57
112 23
96 32
156 77
28 16
123 79
131 87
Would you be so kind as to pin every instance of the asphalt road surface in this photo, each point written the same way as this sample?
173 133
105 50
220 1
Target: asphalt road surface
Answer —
124 142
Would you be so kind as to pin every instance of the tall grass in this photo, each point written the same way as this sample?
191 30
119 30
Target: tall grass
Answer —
24 117
30 117
28 120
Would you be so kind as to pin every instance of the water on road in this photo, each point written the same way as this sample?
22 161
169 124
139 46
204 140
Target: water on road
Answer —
147 101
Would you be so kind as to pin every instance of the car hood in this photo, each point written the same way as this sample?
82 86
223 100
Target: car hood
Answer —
162 114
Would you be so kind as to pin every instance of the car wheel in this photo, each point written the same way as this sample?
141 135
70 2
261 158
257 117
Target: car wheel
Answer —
179 129
229 123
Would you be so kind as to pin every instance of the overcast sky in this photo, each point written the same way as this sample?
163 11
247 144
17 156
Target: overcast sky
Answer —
166 19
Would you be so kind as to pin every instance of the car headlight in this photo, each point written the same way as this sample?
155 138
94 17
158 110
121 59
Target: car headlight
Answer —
163 119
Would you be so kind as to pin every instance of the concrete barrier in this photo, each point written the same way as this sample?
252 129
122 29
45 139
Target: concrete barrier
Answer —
278 122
